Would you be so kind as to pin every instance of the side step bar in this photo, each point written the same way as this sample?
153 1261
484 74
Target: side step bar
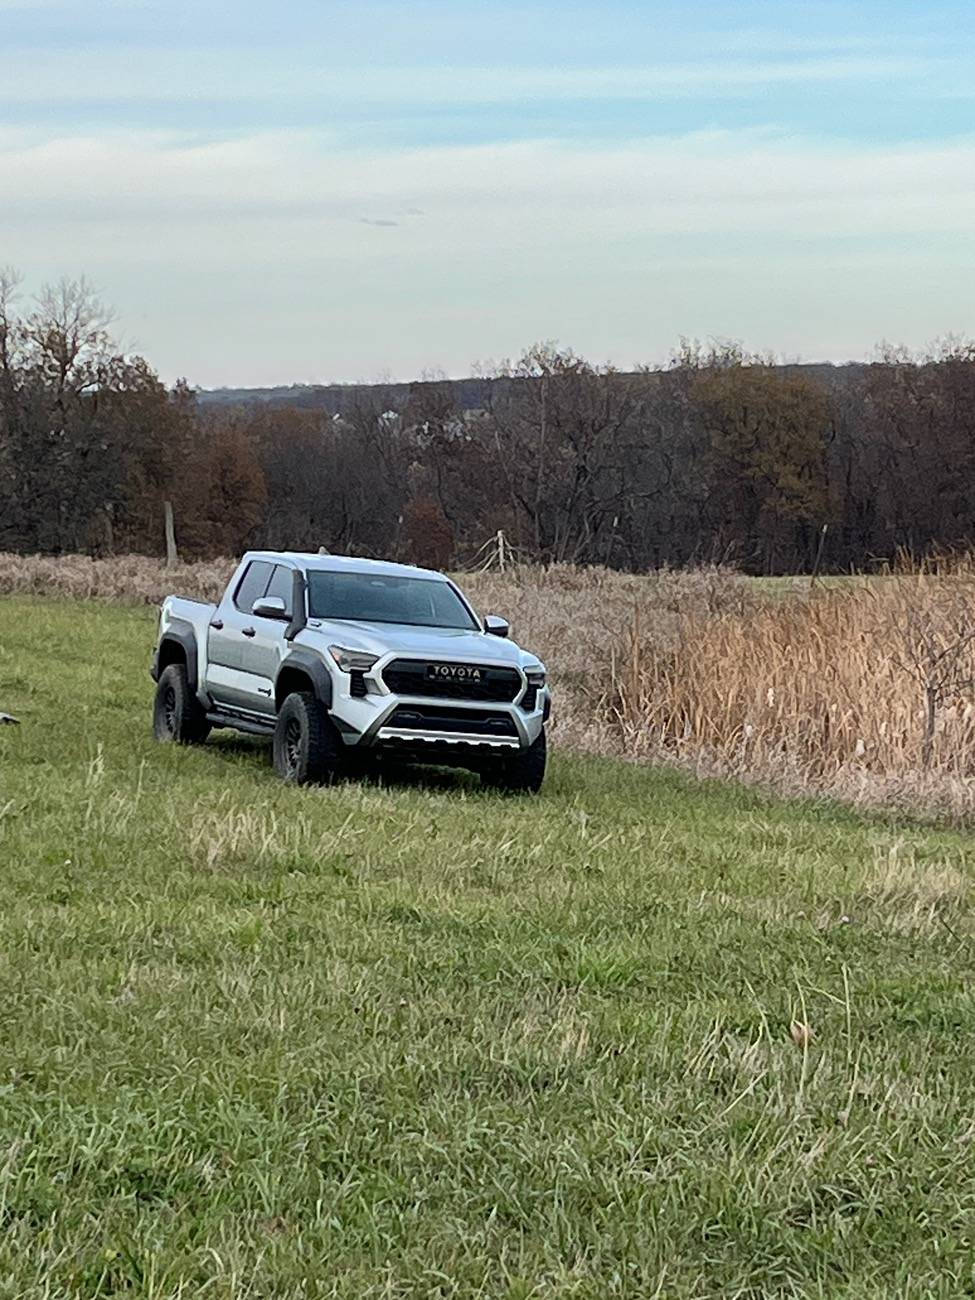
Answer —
252 726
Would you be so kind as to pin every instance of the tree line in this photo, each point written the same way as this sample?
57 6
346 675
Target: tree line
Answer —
721 455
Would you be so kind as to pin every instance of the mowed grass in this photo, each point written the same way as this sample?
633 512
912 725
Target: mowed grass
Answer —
412 1039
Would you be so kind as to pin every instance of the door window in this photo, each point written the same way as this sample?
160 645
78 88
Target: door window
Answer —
282 584
252 585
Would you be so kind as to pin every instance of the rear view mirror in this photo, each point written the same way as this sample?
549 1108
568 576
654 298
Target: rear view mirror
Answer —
496 626
270 607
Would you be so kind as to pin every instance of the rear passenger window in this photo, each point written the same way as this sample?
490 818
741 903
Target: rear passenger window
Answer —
282 584
252 585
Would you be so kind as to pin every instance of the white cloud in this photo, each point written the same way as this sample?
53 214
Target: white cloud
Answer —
706 182
277 256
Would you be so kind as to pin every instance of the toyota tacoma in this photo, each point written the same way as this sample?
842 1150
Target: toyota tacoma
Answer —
335 657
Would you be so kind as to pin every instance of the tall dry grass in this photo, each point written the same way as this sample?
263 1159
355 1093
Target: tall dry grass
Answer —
136 579
864 691
867 691
575 619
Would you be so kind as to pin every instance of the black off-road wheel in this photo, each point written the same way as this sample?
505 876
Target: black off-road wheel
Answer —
307 748
519 773
177 714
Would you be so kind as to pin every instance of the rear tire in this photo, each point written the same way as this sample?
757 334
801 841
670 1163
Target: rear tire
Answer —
307 748
177 714
520 773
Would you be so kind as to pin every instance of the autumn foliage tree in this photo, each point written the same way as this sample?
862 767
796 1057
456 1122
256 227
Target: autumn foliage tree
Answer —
92 444
428 534
225 498
769 437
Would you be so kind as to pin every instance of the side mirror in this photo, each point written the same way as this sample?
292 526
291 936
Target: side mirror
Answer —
495 626
270 607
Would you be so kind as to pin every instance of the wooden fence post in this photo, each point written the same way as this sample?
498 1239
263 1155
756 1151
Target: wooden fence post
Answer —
172 555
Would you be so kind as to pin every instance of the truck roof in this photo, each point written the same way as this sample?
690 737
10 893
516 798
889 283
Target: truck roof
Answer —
346 564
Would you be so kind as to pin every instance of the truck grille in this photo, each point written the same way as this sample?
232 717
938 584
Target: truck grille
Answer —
471 722
409 677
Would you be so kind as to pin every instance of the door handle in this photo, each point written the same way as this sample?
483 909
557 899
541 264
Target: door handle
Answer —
248 631
217 623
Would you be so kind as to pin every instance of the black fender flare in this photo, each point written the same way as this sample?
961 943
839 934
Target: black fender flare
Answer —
180 632
311 665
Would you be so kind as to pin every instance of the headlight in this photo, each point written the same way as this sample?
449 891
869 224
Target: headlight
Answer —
352 661
535 674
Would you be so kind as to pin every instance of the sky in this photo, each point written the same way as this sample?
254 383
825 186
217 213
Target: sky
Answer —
318 191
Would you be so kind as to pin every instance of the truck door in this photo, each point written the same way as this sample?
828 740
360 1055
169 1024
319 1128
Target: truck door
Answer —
232 642
267 643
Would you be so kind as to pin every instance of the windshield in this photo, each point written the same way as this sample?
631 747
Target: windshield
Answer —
376 598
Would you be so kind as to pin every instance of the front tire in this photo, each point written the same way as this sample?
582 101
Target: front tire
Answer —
307 748
520 773
177 714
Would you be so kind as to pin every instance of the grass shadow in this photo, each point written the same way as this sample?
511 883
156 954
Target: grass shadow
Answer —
234 744
373 771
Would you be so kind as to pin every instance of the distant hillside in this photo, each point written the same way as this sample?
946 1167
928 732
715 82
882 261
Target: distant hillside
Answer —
337 398
470 394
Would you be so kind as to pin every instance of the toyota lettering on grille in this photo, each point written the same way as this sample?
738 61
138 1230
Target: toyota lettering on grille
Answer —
454 673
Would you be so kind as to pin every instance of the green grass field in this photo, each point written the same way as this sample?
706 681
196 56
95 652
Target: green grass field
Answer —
418 1040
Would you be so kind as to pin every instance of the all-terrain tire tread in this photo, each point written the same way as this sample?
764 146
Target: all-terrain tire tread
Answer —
318 762
185 721
521 773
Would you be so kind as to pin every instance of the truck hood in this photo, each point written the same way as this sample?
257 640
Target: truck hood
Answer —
417 642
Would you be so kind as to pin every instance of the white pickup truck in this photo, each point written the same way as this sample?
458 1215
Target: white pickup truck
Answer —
334 656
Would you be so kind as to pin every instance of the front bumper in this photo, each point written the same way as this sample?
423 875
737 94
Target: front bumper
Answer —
383 719
388 730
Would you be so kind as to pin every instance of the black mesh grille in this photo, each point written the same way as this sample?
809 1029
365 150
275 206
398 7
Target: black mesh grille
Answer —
409 677
475 722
